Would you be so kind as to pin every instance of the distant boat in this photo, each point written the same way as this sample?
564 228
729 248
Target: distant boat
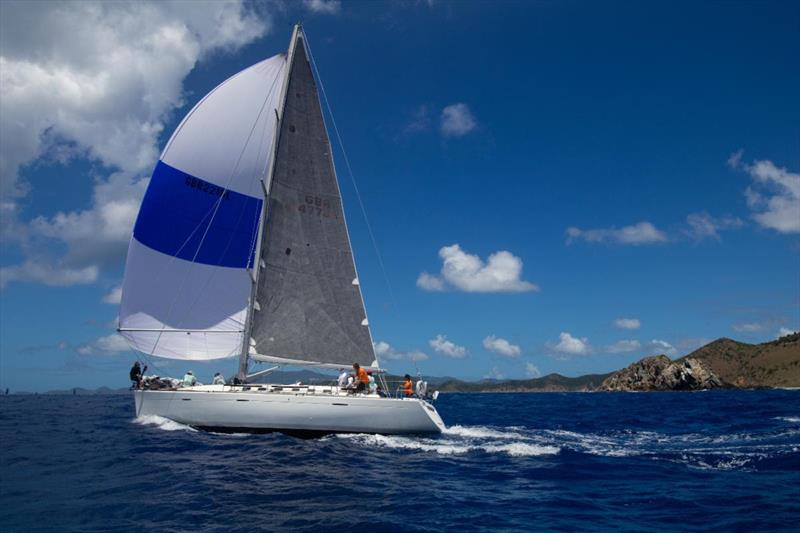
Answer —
240 248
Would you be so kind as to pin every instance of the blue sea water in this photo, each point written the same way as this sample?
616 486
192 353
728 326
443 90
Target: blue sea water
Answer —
658 461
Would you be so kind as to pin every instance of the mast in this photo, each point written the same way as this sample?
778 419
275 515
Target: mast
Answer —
244 356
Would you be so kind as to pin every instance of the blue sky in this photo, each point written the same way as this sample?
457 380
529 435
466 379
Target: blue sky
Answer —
553 187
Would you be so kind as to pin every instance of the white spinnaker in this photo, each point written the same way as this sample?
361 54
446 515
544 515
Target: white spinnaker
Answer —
186 286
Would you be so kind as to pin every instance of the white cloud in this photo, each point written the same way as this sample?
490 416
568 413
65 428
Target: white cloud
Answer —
501 346
114 296
627 323
457 120
748 327
661 347
494 373
532 371
108 345
624 346
468 273
443 346
429 282
637 234
704 226
774 197
99 80
567 344
323 7
385 351
785 331
47 274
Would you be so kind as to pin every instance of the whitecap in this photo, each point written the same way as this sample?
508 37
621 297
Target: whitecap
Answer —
162 423
792 419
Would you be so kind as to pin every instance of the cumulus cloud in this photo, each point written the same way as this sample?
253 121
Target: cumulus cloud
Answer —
385 351
569 345
114 296
532 371
661 347
457 120
750 327
785 331
703 226
774 196
99 80
47 274
324 7
624 346
430 282
627 323
501 346
637 234
441 345
466 272
108 345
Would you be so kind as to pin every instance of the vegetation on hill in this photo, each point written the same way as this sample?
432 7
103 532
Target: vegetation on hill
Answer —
770 364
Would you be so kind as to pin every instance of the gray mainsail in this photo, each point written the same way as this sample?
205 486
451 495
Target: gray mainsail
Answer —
308 304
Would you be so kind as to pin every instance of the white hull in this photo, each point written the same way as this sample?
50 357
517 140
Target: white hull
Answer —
289 409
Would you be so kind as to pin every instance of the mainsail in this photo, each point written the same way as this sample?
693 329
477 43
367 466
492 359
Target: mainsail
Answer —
187 279
308 304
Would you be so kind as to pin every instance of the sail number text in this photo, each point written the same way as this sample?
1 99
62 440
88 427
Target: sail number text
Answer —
314 205
208 188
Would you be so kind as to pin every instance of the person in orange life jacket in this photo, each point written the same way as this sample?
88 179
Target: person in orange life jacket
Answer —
362 378
408 386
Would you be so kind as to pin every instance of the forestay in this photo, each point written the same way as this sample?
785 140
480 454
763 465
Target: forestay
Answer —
309 307
186 287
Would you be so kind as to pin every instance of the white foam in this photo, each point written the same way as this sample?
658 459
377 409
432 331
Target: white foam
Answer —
792 419
459 440
162 423
482 432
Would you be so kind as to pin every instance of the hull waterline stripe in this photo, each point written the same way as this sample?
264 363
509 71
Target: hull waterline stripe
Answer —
176 212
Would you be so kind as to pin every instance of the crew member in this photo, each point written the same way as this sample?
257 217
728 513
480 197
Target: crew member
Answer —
342 381
136 375
189 380
408 385
362 378
218 379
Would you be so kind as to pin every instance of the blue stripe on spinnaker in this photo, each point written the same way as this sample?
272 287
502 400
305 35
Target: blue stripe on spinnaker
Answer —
177 210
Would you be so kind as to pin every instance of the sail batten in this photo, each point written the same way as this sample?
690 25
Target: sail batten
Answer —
310 310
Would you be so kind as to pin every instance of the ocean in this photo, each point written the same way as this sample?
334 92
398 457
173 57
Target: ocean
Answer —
658 461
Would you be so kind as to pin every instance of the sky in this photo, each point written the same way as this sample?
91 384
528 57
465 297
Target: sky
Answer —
553 186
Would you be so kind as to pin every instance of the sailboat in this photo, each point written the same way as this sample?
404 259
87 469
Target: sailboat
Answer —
241 248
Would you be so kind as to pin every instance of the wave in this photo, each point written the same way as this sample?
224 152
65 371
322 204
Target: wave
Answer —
459 440
162 423
694 450
792 419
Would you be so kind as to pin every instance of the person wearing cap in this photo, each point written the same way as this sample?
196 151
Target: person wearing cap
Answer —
408 385
218 379
189 380
362 378
136 375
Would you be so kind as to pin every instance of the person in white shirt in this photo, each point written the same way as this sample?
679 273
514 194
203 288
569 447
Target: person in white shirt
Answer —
218 379
343 379
189 380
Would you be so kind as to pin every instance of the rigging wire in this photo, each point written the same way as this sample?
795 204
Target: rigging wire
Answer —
352 176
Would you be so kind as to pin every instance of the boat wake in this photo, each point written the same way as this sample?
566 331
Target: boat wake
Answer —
161 423
459 440
694 450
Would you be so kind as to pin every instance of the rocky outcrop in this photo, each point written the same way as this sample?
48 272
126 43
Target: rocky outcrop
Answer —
659 373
